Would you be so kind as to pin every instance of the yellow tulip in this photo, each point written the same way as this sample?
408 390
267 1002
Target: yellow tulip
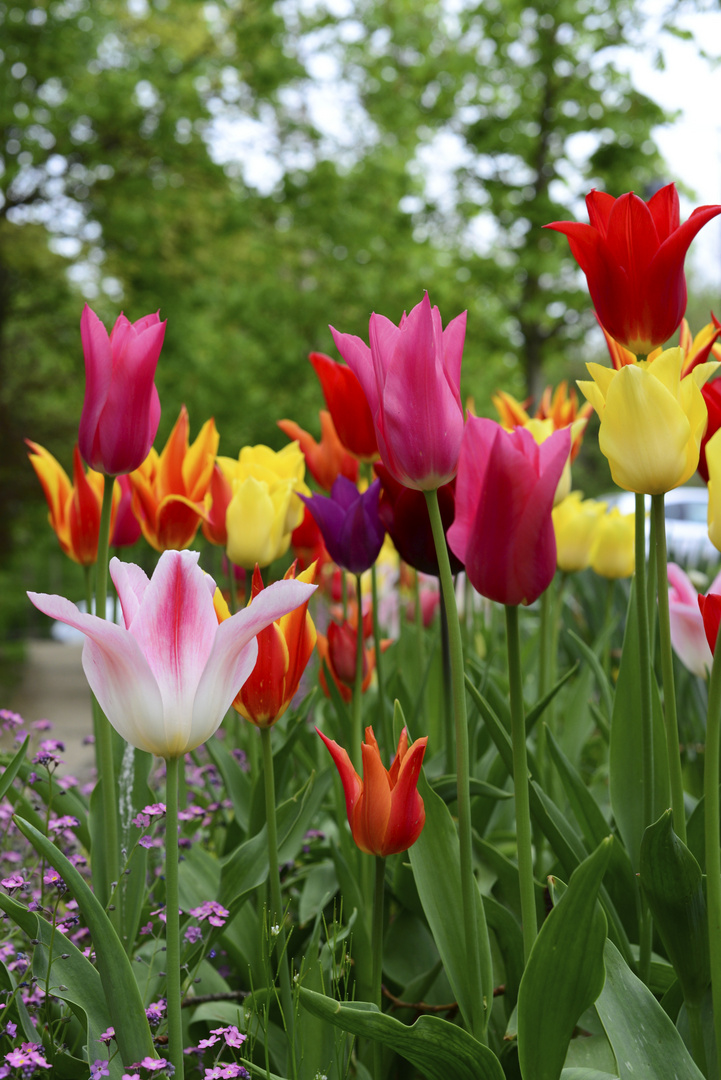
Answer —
613 553
652 420
575 523
265 507
713 460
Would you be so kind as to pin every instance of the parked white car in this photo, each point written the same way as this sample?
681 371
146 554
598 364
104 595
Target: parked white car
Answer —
686 523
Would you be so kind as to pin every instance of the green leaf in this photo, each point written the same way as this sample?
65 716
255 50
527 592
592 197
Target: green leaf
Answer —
644 1039
594 663
626 750
672 882
12 768
577 1073
446 787
81 984
534 715
564 974
119 985
435 859
436 1047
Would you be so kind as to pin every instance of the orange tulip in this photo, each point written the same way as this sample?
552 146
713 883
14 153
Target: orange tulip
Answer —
559 405
385 811
74 507
284 649
337 653
169 489
327 459
214 527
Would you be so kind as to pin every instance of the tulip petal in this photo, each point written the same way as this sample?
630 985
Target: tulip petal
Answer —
98 375
124 435
234 653
176 628
372 812
130 582
117 672
408 813
352 783
476 447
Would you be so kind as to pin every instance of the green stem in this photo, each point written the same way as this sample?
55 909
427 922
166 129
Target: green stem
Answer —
104 744
607 613
386 735
172 916
669 690
357 702
644 650
377 948
711 825
520 783
695 1025
277 913
478 949
420 647
447 690
232 592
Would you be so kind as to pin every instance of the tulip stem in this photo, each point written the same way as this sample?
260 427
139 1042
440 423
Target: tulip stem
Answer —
277 913
377 947
420 648
711 825
644 651
478 950
357 707
172 917
669 690
104 745
520 783
387 737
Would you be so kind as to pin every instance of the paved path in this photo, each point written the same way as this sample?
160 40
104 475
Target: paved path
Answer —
54 688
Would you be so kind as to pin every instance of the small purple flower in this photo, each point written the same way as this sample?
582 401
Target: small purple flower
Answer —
9 720
233 1037
155 1012
52 877
214 912
350 523
193 934
147 842
15 881
107 1036
99 1069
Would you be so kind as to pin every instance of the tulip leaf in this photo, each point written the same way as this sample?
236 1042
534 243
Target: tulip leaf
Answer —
134 794
446 787
72 978
535 714
435 859
672 882
578 1073
13 768
235 781
643 1038
564 974
435 1046
119 985
626 750
594 663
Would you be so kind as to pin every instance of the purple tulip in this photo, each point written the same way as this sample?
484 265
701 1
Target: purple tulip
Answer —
350 524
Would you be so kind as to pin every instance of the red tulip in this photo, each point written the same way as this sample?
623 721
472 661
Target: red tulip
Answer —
127 529
710 606
385 812
632 254
712 396
347 406
121 410
404 512
503 530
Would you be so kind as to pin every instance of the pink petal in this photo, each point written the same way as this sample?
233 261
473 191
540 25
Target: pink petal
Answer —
130 583
454 337
476 446
98 374
117 672
357 356
125 435
681 590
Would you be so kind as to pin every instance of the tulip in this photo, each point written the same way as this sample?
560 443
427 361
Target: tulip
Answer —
328 459
127 529
284 649
559 406
404 512
652 420
713 461
688 634
411 379
710 608
214 525
350 524
347 406
385 812
121 411
307 543
632 254
696 350
613 551
265 507
575 522
503 530
338 652
169 488
167 677
74 508
542 430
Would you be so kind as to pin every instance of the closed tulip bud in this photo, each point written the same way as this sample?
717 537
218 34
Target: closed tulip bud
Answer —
575 522
613 552
652 420
350 523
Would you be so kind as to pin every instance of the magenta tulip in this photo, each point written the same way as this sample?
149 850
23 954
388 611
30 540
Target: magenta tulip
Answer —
166 679
121 411
503 530
411 377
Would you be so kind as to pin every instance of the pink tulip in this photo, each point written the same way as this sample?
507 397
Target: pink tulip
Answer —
688 635
121 411
167 677
127 527
411 378
503 530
